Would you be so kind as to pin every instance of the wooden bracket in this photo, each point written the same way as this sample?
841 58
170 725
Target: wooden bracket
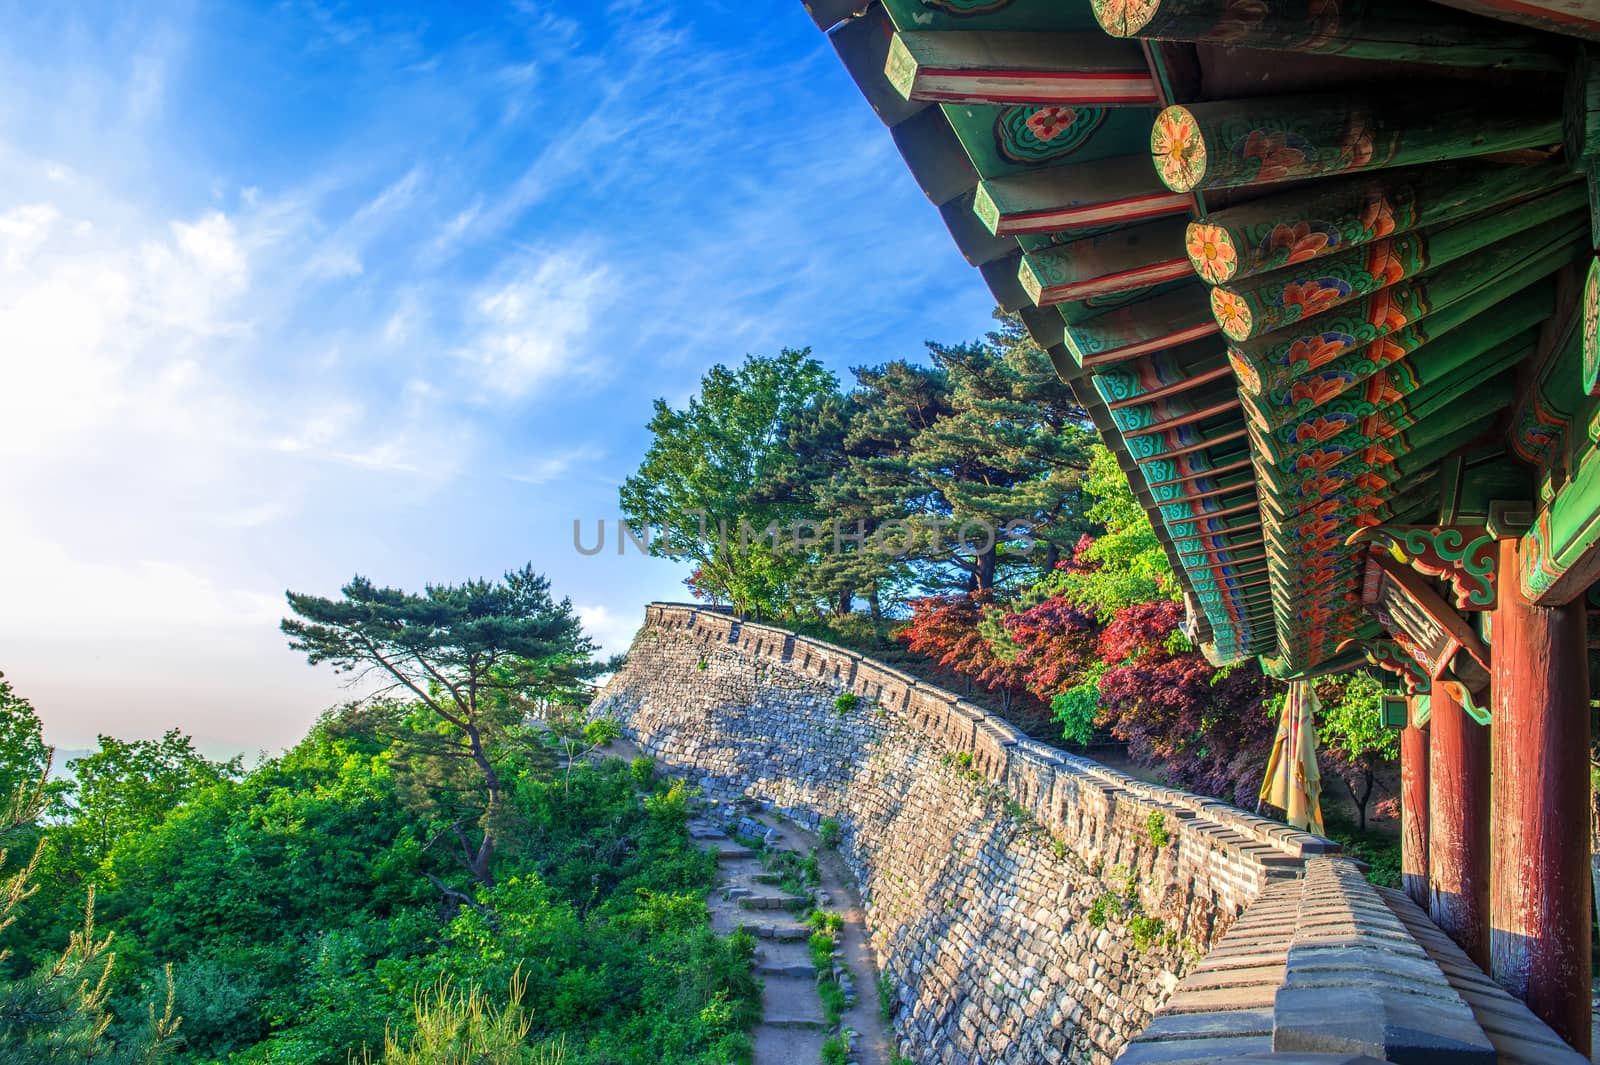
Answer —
1463 555
1387 655
1422 625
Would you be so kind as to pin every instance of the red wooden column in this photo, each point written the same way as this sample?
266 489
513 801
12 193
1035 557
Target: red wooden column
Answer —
1414 810
1458 826
1540 943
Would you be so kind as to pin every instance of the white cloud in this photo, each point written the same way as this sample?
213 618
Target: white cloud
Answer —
612 630
528 330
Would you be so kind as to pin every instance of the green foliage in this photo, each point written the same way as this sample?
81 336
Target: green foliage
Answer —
481 656
1102 909
835 1050
23 754
455 1027
1077 709
1145 930
643 768
846 702
888 997
1129 565
829 832
1155 826
708 467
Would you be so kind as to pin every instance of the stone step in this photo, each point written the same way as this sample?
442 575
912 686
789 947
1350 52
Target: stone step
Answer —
801 970
730 850
814 1024
790 933
770 902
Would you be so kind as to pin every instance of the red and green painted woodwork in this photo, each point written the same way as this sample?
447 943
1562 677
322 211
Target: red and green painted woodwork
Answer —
1266 302
1576 18
1162 374
1271 361
1329 217
1433 346
1590 339
1560 555
1548 406
1081 196
1393 401
1540 940
1176 409
1465 557
1371 468
1127 331
1032 15
1018 138
1255 142
1019 67
1134 257
1392 30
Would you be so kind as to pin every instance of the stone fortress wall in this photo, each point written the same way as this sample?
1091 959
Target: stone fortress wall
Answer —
992 867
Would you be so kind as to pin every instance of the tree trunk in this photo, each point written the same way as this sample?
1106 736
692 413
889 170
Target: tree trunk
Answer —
847 601
1052 555
985 573
1365 797
478 864
875 608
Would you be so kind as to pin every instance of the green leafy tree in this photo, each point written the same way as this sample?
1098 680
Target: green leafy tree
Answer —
1011 453
129 786
1126 564
1353 740
23 754
709 470
479 656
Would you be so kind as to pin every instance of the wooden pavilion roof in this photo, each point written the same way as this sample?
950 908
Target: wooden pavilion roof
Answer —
1314 267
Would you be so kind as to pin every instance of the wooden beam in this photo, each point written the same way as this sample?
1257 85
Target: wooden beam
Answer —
1129 258
1436 344
987 67
1141 327
1560 554
1393 30
1264 302
1183 384
1114 191
1174 416
1253 142
1509 265
1304 224
1579 18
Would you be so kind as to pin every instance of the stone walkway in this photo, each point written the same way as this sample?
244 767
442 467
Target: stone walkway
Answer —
793 1024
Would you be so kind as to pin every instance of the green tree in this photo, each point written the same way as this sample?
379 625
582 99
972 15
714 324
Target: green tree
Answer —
23 754
1352 737
1011 453
708 473
479 655
127 786
1126 564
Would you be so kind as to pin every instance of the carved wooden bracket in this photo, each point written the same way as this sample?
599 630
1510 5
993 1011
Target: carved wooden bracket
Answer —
1463 555
1433 636
1388 655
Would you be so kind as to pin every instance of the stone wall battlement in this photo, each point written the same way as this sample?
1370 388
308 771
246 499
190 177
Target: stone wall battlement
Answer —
1029 904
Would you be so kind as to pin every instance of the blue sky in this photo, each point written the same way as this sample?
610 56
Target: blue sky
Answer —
290 292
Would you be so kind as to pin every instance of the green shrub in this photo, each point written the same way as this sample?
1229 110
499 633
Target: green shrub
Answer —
643 769
1156 827
821 944
963 759
835 1051
828 832
1145 930
846 702
887 997
832 996
700 664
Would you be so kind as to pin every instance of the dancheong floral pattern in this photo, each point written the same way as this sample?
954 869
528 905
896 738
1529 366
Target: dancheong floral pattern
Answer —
1232 313
1038 134
1123 17
1302 299
1288 244
1211 251
1276 155
1178 149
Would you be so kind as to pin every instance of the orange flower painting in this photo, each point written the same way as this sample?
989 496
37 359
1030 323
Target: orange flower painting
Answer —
1048 123
1384 312
1384 265
1212 253
1300 240
1321 388
1377 216
1313 296
1232 313
1178 149
1277 158
1309 353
